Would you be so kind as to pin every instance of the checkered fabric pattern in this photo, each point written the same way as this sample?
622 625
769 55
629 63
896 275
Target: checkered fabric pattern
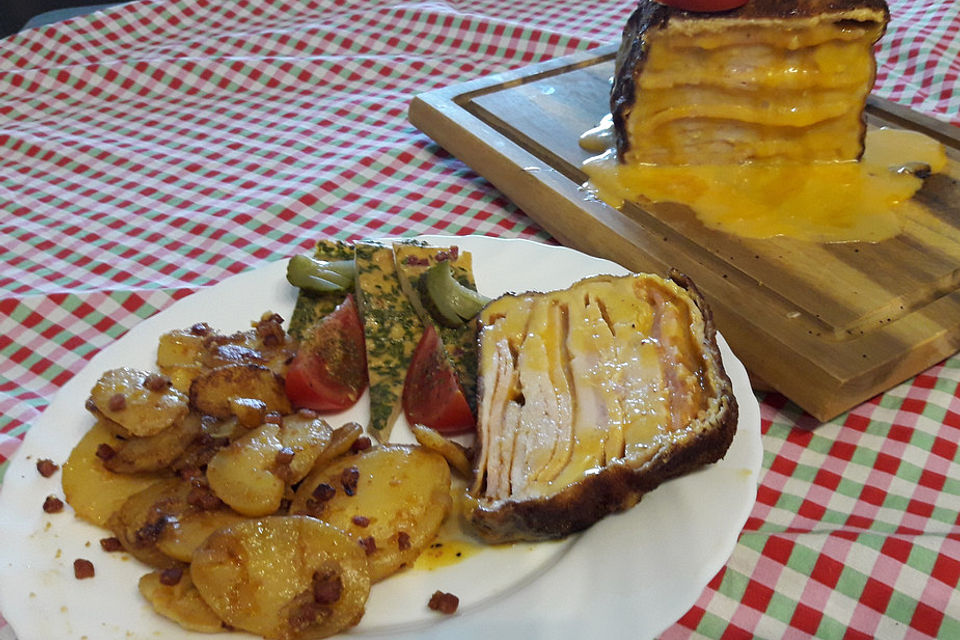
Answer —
163 145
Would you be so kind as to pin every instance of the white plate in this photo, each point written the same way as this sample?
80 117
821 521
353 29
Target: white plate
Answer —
631 575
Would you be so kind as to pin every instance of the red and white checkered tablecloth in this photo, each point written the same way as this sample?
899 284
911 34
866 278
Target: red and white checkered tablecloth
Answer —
163 145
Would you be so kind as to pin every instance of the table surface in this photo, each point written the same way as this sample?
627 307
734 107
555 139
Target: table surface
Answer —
161 146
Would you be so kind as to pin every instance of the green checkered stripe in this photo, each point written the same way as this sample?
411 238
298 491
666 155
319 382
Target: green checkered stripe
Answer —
856 530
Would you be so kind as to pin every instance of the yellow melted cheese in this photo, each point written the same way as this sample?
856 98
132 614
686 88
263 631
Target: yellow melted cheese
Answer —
822 202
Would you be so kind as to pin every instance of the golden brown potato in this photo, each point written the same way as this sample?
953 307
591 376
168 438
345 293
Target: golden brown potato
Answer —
213 391
453 452
143 403
180 602
391 498
285 577
305 437
243 473
341 443
156 452
181 347
143 516
91 489
187 531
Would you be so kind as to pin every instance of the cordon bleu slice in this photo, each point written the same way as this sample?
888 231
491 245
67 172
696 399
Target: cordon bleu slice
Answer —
771 81
589 398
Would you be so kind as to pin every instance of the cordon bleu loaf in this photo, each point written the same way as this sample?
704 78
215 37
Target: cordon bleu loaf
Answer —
590 397
771 81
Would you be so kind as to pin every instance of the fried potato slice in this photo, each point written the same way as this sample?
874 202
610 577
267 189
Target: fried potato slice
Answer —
214 391
306 437
187 531
156 452
392 498
93 491
143 403
142 517
341 442
243 473
180 602
453 452
283 577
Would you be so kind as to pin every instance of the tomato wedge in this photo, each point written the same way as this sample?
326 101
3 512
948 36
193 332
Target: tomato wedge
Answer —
329 372
703 5
432 395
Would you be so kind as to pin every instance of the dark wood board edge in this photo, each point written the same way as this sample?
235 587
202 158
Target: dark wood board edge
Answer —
753 332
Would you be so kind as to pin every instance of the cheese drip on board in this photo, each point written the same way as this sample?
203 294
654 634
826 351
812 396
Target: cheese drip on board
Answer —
816 201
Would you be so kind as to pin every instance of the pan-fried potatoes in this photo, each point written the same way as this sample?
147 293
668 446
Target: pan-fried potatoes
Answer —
139 522
156 452
284 577
213 391
242 474
143 403
392 498
212 480
93 491
180 602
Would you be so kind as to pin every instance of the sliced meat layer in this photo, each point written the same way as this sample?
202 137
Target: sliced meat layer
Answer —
590 397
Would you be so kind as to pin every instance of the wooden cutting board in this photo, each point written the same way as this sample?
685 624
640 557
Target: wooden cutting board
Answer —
827 325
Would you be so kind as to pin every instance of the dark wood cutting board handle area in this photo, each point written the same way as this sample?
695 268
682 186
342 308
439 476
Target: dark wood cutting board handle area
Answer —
827 325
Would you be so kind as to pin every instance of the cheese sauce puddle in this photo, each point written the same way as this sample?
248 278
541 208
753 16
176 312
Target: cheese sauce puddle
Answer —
830 202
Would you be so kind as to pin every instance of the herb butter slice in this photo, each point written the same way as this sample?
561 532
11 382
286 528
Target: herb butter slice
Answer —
391 328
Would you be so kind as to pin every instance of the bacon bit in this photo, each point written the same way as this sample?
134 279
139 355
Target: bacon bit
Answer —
82 569
450 255
307 414
360 444
53 504
156 382
324 492
105 451
369 544
349 479
191 473
444 602
111 544
117 402
46 467
204 499
360 521
270 330
149 533
403 540
171 576
327 587
284 456
304 612
200 329
414 261
273 417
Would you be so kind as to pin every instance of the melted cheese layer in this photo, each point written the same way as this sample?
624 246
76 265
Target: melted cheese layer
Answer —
822 202
752 93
